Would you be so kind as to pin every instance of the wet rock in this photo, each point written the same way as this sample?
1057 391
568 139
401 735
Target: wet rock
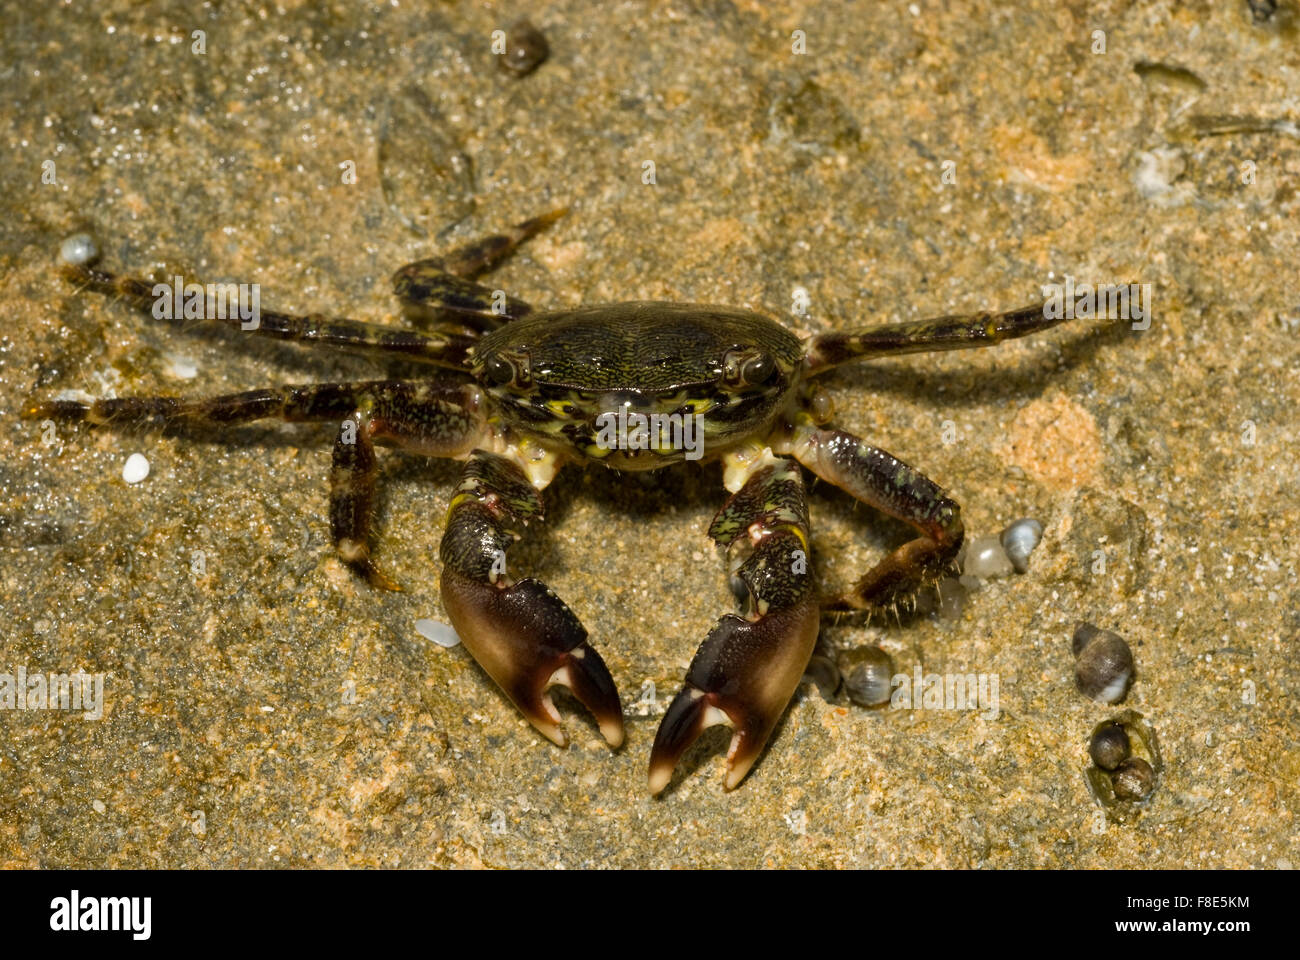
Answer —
1106 542
427 179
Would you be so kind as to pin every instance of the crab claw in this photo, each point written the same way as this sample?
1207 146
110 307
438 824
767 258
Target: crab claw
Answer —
528 640
743 675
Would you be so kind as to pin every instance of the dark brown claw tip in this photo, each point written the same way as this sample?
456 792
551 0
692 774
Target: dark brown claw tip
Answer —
744 675
528 641
691 713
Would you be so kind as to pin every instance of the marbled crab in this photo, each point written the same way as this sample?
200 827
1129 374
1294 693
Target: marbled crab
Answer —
539 389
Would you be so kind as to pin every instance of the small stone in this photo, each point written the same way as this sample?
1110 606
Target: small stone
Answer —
1157 177
526 48
181 367
440 633
98 806
1019 540
868 676
136 468
79 250
1261 11
986 559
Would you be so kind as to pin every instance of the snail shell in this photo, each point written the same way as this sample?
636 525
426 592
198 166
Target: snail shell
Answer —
1019 541
823 672
1134 779
1104 667
1109 746
868 676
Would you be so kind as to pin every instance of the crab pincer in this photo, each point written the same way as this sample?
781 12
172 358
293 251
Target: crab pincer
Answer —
748 667
520 632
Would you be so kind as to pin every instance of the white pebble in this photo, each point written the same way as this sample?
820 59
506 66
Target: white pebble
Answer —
1156 175
136 468
986 559
81 396
79 249
180 367
440 633
1019 541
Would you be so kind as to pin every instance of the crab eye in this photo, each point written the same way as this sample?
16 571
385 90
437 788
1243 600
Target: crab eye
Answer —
497 370
759 369
508 368
747 367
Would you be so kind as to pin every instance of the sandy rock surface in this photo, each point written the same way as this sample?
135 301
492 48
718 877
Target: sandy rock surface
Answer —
263 707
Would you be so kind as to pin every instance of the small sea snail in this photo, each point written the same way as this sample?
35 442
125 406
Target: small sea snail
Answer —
1104 665
822 671
1127 763
1019 541
1134 779
986 559
1109 746
868 676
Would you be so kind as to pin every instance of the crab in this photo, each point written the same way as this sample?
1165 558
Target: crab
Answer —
626 386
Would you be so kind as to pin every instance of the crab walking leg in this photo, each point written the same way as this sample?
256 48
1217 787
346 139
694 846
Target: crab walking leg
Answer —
309 403
922 336
420 417
522 634
886 483
442 289
443 349
749 666
352 498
